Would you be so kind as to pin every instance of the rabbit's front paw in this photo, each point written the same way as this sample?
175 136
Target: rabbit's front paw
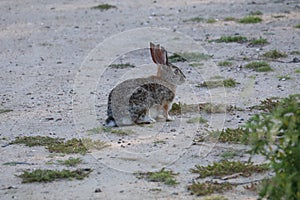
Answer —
146 120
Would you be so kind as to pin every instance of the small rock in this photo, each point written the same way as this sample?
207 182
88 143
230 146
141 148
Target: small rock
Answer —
97 190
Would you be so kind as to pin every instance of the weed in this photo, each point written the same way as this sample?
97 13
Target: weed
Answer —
164 176
276 136
225 167
5 110
229 39
122 131
283 77
71 162
229 135
197 120
274 54
229 19
259 66
31 141
297 26
122 66
225 63
250 20
40 175
195 19
104 7
207 188
255 13
230 82
297 71
218 83
258 42
213 108
176 108
228 154
189 57
211 20
295 53
267 104
176 57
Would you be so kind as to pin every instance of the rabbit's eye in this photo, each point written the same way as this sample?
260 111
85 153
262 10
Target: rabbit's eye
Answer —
176 71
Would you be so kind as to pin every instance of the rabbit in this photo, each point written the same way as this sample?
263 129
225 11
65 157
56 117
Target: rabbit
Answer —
131 101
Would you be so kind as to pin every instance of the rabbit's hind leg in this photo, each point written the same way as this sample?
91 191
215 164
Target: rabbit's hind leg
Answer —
145 118
166 107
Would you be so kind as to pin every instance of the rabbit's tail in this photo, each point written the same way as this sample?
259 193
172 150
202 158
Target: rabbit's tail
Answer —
110 121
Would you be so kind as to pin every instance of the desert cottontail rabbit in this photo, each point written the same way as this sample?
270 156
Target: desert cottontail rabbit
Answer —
130 102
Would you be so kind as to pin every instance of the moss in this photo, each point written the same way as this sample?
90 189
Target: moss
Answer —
122 66
225 167
189 57
259 66
196 120
225 63
71 162
104 7
5 110
250 20
207 188
165 176
274 54
229 39
258 42
45 175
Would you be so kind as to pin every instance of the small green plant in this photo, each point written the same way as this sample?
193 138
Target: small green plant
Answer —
229 154
213 108
229 39
176 108
259 66
176 57
71 162
255 13
207 188
211 20
104 7
229 19
195 19
267 104
229 167
215 198
297 71
297 26
230 82
218 83
229 135
196 120
295 53
189 57
283 77
5 110
258 42
196 64
165 176
225 63
274 54
122 131
250 20
276 136
122 66
45 175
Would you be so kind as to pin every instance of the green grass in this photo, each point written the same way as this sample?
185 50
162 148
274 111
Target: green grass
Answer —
165 176
122 131
250 20
295 52
225 63
45 175
71 162
229 19
5 110
218 83
229 154
229 39
259 66
196 64
59 145
104 7
211 20
297 71
274 54
215 198
268 104
259 42
297 26
207 188
195 19
283 77
189 57
122 66
256 13
229 135
196 120
225 167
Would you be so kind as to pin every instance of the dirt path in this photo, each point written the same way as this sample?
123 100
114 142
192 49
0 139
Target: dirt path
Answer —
50 79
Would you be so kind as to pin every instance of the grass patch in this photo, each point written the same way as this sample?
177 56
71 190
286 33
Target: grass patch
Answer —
229 135
122 66
59 145
225 167
165 176
215 198
195 19
45 175
213 108
5 110
197 120
189 57
297 26
259 66
229 39
283 77
196 64
250 20
104 7
225 63
122 131
256 13
258 42
218 83
229 19
295 53
176 108
297 71
211 20
274 54
228 154
71 162
267 104
207 188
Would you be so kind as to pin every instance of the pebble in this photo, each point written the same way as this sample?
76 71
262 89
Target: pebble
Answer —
97 190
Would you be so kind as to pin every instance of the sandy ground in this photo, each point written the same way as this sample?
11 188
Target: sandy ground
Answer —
54 78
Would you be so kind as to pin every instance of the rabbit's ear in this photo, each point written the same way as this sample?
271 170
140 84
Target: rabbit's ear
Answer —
158 54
